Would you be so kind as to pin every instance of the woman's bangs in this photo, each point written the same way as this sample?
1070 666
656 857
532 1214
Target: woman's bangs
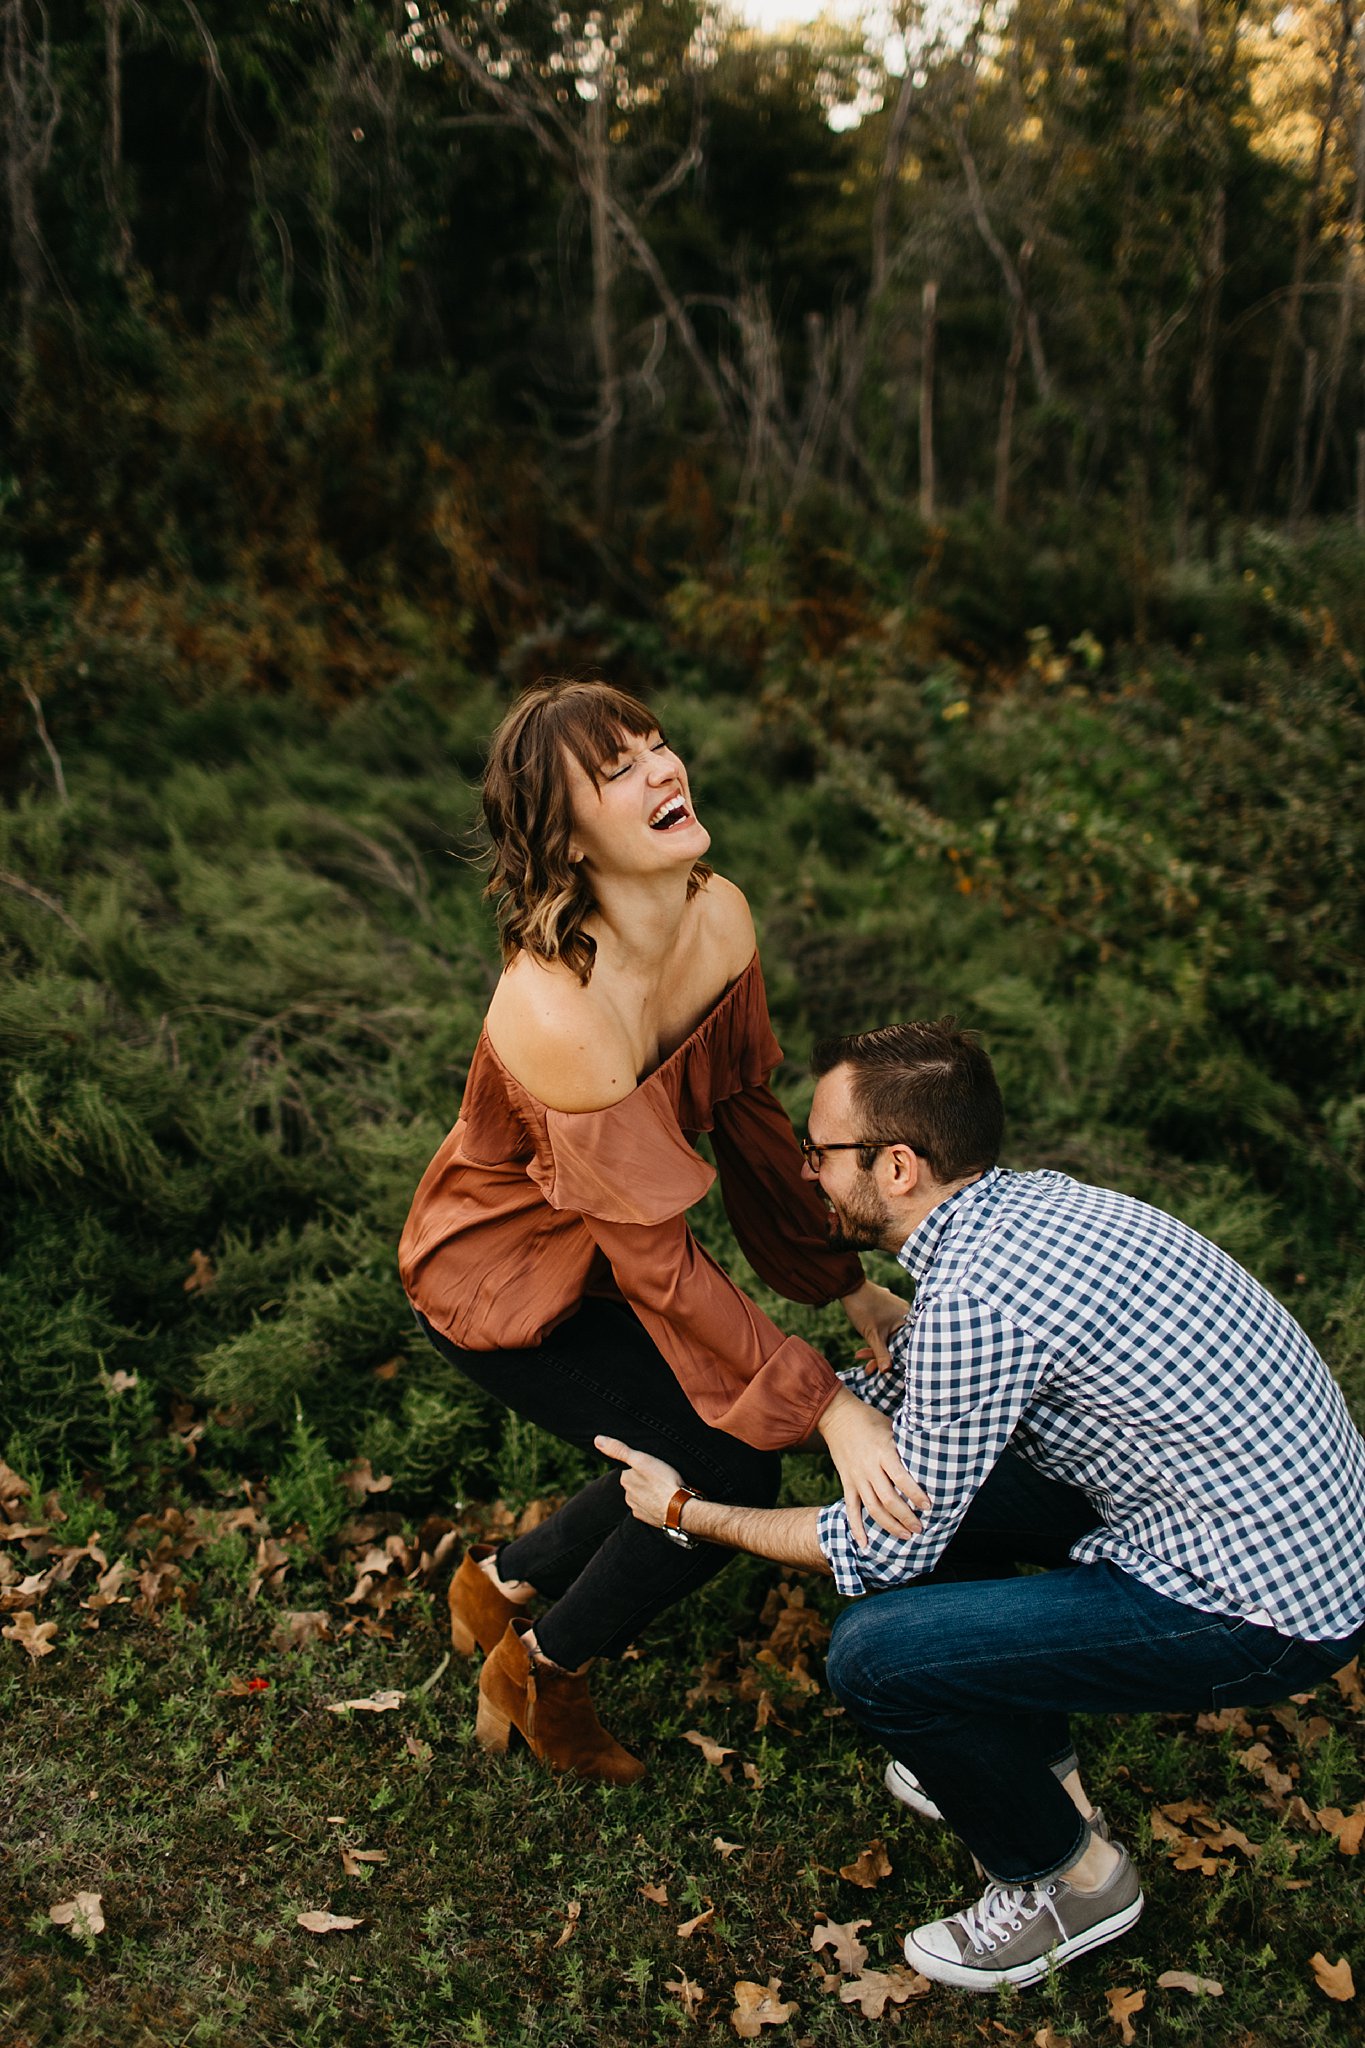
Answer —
594 725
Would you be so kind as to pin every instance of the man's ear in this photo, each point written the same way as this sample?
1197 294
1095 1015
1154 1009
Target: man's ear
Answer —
907 1169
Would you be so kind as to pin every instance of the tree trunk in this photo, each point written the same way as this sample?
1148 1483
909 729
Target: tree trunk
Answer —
1350 269
112 162
32 109
1199 439
926 402
1299 488
1004 440
1289 329
598 181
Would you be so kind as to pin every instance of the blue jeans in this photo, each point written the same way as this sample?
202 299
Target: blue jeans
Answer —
968 1682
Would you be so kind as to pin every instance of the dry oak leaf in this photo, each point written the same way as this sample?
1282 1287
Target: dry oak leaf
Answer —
300 1626
657 1894
1046 2038
714 1752
1347 1827
869 1868
83 1914
33 1636
872 1991
573 1913
725 1850
12 1487
377 1703
842 1936
691 1994
327 1923
758 2006
1185 1980
359 1479
1122 2004
1333 1979
272 1562
352 1859
703 1919
1348 1683
1258 1760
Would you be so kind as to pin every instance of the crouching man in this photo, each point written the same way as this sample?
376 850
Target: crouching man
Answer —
1083 1383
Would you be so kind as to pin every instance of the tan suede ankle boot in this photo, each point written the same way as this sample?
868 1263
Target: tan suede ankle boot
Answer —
479 1613
551 1711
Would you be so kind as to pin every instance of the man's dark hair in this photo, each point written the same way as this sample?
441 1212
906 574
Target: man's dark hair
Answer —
926 1085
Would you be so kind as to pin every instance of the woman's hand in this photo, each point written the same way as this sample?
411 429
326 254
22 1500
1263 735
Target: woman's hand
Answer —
876 1314
860 1441
648 1484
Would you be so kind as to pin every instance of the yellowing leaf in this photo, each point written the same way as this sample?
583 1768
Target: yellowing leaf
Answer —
377 1703
1185 1980
758 2006
33 1636
869 1868
327 1923
1334 1980
842 1936
83 1915
874 1989
1122 2004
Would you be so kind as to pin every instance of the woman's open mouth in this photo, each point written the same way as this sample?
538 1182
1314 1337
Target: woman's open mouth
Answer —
673 811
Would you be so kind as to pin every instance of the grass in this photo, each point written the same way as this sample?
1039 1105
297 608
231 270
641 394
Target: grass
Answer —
209 1817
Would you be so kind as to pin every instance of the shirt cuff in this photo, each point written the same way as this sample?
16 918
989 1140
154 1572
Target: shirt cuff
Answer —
836 1543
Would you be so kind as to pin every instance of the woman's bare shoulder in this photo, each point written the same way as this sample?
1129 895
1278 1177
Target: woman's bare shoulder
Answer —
563 1045
727 924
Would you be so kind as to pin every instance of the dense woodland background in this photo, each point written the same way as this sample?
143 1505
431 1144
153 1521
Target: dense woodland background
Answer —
959 431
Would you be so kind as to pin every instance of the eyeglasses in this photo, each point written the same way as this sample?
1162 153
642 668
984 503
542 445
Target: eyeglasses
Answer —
814 1155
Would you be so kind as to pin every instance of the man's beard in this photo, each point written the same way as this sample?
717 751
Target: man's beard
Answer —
859 1226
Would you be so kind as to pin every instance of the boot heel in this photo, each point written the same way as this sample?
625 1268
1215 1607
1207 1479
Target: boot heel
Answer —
492 1729
462 1638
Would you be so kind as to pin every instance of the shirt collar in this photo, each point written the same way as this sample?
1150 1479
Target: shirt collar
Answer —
921 1248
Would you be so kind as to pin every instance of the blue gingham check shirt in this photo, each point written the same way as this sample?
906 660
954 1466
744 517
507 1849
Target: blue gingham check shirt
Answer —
1120 1352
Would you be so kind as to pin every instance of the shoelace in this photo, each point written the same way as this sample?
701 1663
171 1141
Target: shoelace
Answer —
1004 1910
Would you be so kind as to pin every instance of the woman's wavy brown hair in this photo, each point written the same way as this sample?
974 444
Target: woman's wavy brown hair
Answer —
542 897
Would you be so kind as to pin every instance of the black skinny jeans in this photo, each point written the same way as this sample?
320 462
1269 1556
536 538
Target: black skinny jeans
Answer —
607 1575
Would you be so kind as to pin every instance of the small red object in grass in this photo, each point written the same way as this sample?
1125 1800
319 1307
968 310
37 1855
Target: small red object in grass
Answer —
258 1684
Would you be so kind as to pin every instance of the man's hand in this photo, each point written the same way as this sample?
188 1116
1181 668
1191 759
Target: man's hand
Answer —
648 1484
875 1482
876 1314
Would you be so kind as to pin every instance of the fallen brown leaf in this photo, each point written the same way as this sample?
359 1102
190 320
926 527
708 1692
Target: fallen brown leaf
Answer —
352 1860
702 1919
304 1625
1122 2004
842 1936
1349 1828
1258 1760
758 2006
573 1913
1334 1980
326 1923
725 1850
691 1995
714 1752
1348 1683
33 1636
359 1480
272 1562
869 1867
202 1275
874 1989
657 1894
1046 2038
1185 1980
377 1703
12 1487
84 1914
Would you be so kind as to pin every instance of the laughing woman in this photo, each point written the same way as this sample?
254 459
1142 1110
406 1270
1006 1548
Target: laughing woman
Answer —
547 1252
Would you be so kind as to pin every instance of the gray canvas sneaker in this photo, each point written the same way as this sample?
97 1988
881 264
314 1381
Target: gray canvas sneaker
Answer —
1016 1933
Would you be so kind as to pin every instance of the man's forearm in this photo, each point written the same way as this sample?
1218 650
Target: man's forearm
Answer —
786 1535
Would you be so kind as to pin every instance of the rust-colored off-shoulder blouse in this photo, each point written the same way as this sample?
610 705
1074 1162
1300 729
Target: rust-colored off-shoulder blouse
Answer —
526 1210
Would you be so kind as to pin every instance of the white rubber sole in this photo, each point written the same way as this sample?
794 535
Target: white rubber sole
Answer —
965 1978
905 1787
